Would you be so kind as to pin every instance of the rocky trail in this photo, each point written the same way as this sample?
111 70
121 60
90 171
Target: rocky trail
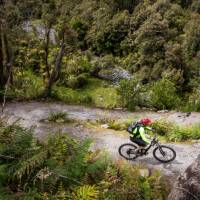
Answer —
31 114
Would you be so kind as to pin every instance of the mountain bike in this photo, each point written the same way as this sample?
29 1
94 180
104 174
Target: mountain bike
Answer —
161 153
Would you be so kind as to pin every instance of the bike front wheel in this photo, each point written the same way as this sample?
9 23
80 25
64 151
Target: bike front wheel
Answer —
128 151
164 154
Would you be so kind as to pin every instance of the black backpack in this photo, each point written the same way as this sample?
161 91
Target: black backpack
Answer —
133 126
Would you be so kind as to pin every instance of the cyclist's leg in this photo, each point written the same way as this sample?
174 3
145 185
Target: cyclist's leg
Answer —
138 141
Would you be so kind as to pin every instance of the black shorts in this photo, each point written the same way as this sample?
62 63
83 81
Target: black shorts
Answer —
138 141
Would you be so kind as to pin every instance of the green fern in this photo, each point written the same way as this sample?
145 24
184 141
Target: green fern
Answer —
29 165
86 192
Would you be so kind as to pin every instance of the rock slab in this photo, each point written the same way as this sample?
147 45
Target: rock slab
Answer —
187 186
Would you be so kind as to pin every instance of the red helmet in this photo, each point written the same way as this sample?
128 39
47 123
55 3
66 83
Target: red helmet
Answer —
146 121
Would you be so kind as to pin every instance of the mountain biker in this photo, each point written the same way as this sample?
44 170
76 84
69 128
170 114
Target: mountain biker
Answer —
138 132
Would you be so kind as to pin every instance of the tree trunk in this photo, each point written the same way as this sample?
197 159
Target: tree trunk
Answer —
46 48
8 58
56 72
1 62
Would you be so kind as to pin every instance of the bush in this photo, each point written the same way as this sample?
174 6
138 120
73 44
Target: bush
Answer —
58 117
78 64
130 92
125 182
104 62
163 128
69 95
118 125
112 33
105 97
176 133
77 82
164 95
26 86
193 103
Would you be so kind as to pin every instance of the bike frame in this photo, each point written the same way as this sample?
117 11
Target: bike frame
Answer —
153 143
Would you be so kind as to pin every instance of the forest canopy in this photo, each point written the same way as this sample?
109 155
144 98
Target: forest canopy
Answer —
54 44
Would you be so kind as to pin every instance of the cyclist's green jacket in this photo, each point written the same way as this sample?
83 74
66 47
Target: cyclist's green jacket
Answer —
140 132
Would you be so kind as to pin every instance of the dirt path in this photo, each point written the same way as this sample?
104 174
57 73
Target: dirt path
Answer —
30 114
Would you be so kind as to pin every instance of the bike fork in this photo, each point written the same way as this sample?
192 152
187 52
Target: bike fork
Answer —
161 151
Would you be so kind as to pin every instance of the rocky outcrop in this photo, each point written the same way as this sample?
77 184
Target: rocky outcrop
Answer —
28 26
187 186
114 74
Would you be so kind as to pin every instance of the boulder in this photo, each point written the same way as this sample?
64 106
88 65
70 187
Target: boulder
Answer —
114 74
187 186
29 27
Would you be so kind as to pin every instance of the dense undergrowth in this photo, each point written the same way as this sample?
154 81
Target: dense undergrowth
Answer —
61 168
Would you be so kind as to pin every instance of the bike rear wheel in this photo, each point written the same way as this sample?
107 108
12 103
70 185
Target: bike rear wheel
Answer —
164 154
128 151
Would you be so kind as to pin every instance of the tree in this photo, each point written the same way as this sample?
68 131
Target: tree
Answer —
164 94
131 93
62 9
9 21
126 4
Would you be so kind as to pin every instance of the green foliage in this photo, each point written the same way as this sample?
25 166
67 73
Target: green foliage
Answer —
77 82
77 64
96 92
61 168
58 117
81 28
164 94
109 37
150 39
126 182
126 4
195 7
194 101
105 97
26 86
173 132
118 125
130 92
86 192
69 95
32 164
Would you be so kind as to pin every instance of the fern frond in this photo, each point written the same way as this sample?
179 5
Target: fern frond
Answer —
86 192
29 165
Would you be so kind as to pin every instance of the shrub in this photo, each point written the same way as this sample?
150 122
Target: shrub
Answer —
105 97
72 82
115 124
82 79
30 165
130 92
58 117
26 86
104 62
173 132
108 38
163 128
69 95
77 82
193 103
164 94
123 181
185 133
81 27
78 64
